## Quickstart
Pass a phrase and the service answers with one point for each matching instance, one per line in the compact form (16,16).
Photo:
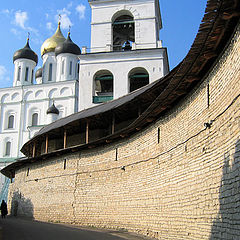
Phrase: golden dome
(51,43)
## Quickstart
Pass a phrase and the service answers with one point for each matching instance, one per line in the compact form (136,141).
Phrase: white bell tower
(126,53)
(116,21)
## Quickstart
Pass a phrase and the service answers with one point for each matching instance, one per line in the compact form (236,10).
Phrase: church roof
(52,109)
(38,73)
(51,43)
(26,53)
(68,46)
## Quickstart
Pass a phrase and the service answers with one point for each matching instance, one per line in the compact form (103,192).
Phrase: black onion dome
(68,46)
(38,73)
(52,109)
(26,52)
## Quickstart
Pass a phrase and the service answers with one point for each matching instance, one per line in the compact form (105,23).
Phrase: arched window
(76,69)
(103,87)
(70,68)
(26,74)
(138,78)
(50,72)
(10,121)
(19,73)
(35,119)
(32,77)
(123,31)
(63,63)
(8,148)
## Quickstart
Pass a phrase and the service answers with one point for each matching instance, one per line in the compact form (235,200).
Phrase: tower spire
(69,29)
(59,19)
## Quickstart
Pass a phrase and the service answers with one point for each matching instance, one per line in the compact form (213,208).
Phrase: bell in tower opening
(123,32)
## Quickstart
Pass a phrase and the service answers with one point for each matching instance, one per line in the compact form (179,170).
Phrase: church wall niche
(53,93)
(15,96)
(5,98)
(65,91)
(40,94)
(29,95)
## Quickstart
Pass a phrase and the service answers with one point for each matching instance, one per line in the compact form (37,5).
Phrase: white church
(125,55)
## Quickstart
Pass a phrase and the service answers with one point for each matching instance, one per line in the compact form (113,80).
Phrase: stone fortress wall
(177,179)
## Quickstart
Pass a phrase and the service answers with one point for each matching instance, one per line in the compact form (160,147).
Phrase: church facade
(125,55)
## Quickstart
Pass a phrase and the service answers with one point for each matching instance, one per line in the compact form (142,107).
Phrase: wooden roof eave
(219,32)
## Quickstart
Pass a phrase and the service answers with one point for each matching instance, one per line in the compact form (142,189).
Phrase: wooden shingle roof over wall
(218,24)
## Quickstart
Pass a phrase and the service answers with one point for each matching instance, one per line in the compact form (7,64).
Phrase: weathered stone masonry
(184,187)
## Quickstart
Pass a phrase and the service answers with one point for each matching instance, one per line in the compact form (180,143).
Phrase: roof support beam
(46,144)
(34,149)
(113,123)
(87,132)
(139,110)
(65,139)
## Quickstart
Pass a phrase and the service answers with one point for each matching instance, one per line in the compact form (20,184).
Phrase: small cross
(59,18)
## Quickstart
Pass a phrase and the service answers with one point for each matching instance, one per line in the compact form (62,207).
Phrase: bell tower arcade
(117,24)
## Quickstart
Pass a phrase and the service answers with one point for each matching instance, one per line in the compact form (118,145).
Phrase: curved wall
(177,179)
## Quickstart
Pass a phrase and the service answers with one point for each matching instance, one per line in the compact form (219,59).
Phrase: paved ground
(21,229)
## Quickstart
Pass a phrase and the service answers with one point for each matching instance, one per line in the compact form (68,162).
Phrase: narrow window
(19,73)
(8,149)
(35,119)
(159,135)
(116,154)
(76,67)
(50,72)
(26,74)
(70,68)
(64,164)
(208,95)
(10,121)
(63,67)
(32,77)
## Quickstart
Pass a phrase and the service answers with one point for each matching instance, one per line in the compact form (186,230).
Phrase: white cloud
(49,26)
(20,19)
(5,11)
(81,11)
(65,19)
(15,31)
(3,72)
(70,5)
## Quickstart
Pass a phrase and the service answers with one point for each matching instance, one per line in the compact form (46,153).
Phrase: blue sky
(181,21)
